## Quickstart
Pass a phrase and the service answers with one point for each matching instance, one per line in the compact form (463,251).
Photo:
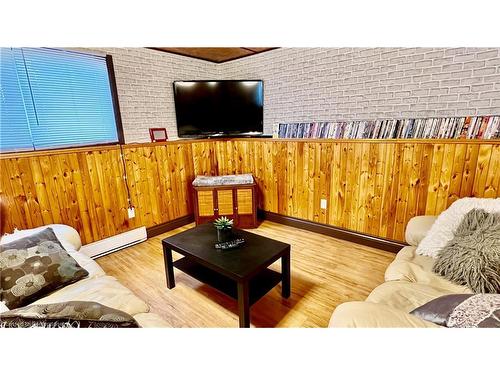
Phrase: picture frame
(158,134)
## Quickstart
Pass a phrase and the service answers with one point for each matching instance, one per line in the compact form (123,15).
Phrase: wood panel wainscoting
(371,186)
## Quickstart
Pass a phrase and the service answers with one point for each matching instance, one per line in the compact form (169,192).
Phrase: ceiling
(215,54)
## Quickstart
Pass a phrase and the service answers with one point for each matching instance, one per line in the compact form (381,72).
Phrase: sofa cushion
(34,266)
(462,311)
(105,289)
(472,257)
(72,314)
(408,266)
(371,315)
(442,231)
(406,295)
(417,228)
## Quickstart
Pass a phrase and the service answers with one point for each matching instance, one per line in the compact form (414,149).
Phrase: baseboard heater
(111,244)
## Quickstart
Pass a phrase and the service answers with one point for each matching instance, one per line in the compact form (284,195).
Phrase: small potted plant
(224,229)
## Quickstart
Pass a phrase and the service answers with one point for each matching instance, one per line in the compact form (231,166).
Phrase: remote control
(230,244)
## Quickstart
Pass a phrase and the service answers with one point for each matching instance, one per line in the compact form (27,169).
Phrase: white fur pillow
(444,227)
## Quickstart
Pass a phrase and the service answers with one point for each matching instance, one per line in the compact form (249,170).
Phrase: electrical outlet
(323,204)
(131,212)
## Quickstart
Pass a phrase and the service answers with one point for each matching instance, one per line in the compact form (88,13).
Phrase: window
(51,98)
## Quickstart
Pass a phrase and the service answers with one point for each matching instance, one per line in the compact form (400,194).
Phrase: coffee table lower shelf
(259,285)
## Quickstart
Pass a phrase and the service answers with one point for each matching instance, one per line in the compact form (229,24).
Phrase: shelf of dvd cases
(469,128)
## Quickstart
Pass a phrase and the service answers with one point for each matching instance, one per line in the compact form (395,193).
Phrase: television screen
(225,108)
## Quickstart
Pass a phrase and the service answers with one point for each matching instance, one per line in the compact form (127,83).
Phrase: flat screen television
(218,108)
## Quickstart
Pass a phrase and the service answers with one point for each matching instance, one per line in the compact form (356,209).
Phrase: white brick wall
(315,84)
(321,84)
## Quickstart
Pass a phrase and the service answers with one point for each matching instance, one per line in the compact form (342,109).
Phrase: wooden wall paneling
(91,233)
(26,180)
(344,209)
(41,195)
(187,174)
(482,165)
(492,189)
(258,149)
(104,174)
(371,214)
(220,155)
(379,192)
(173,157)
(152,181)
(172,162)
(303,206)
(371,187)
(323,178)
(432,190)
(310,180)
(146,197)
(16,197)
(362,188)
(120,190)
(266,176)
(83,211)
(342,196)
(457,170)
(335,186)
(22,175)
(290,161)
(204,158)
(277,175)
(386,190)
(48,181)
(401,199)
(414,181)
(425,166)
(167,187)
(162,184)
(445,177)
(67,186)
(355,168)
(469,170)
(392,181)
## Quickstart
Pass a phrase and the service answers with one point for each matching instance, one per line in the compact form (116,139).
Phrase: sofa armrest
(417,228)
(374,315)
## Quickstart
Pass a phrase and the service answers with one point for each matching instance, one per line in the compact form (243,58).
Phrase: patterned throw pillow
(462,311)
(73,314)
(34,266)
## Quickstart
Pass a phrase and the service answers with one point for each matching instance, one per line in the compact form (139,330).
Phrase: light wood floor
(325,273)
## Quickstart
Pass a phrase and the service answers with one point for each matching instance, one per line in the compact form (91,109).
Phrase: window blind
(66,100)
(14,126)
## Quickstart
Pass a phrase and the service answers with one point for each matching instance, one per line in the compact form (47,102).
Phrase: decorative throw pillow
(447,222)
(73,314)
(462,311)
(35,266)
(472,257)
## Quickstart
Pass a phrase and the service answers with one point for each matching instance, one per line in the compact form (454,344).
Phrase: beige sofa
(97,287)
(409,283)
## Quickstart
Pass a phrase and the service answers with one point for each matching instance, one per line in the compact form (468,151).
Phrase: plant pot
(224,235)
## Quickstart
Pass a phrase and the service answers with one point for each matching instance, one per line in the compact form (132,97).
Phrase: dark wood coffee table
(239,273)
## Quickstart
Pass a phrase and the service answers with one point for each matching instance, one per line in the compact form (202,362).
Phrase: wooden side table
(235,201)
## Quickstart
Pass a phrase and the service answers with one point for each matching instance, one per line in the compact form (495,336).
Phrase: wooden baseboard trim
(169,225)
(341,233)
